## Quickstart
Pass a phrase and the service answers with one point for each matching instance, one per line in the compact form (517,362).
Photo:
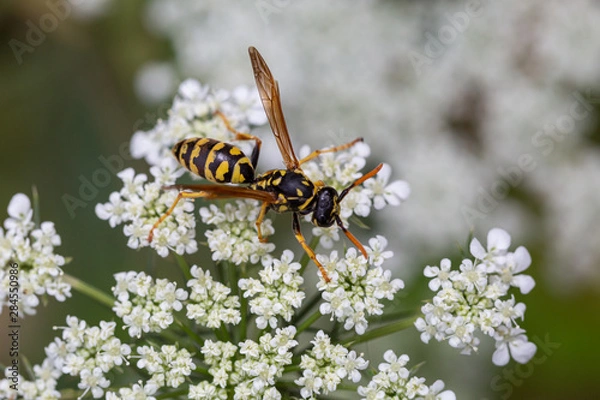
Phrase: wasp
(280,190)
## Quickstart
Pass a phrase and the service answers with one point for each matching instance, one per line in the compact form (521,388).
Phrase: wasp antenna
(360,180)
(352,238)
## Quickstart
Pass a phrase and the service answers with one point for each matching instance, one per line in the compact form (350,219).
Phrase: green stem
(169,336)
(394,316)
(292,384)
(232,274)
(184,266)
(232,278)
(380,332)
(335,331)
(89,290)
(191,333)
(173,395)
(307,307)
(347,386)
(222,333)
(309,321)
(243,326)
(292,368)
(36,206)
(202,371)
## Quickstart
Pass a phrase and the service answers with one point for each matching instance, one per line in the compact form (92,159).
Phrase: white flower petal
(522,351)
(446,395)
(19,206)
(498,239)
(524,282)
(477,249)
(401,189)
(522,258)
(501,356)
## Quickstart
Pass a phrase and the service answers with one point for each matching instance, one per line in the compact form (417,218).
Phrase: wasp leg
(360,180)
(307,249)
(243,136)
(351,237)
(316,153)
(180,195)
(259,220)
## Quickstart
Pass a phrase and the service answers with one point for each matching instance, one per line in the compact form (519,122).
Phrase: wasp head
(326,207)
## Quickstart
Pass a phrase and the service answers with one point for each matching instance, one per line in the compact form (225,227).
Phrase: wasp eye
(326,207)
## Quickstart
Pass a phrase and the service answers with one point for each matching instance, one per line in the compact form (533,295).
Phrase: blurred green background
(71,102)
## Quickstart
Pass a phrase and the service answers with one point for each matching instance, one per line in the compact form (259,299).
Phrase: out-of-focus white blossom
(156,82)
(89,9)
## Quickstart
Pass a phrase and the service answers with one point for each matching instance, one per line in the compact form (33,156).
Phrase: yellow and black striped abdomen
(214,160)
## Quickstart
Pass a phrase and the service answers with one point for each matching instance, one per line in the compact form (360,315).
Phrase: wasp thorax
(326,207)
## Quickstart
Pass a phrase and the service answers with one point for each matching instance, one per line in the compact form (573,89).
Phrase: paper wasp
(281,190)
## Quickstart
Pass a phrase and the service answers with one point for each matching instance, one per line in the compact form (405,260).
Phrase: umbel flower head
(139,203)
(28,261)
(244,328)
(475,298)
(394,381)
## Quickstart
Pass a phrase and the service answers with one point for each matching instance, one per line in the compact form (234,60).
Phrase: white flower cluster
(88,352)
(138,391)
(193,114)
(252,376)
(326,364)
(235,238)
(167,366)
(475,298)
(27,260)
(139,204)
(339,170)
(356,288)
(393,381)
(277,293)
(146,305)
(210,302)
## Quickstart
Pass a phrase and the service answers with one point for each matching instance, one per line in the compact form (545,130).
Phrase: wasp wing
(268,90)
(227,192)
